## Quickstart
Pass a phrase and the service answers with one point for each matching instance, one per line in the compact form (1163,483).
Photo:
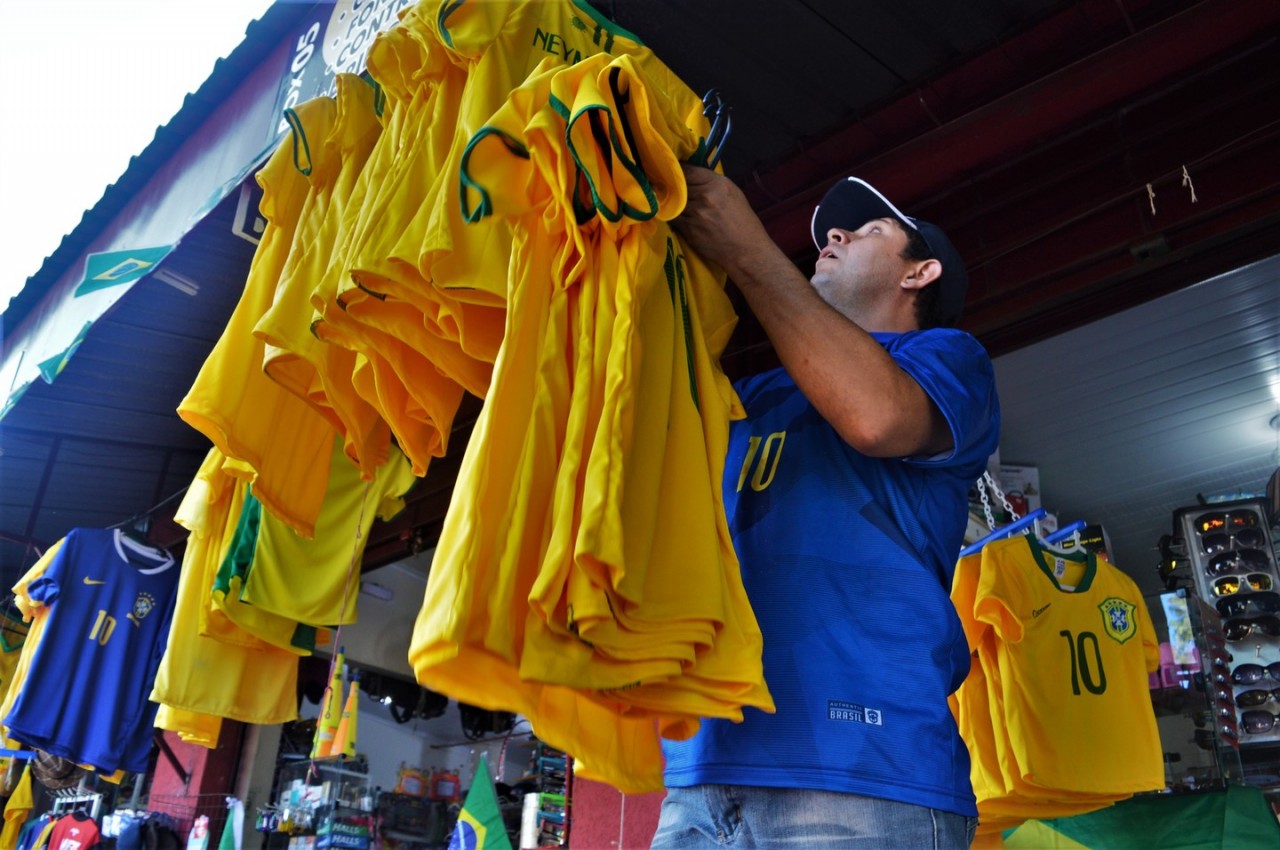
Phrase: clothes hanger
(1071,531)
(1019,526)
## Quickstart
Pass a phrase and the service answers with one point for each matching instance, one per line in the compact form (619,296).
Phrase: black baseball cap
(852,202)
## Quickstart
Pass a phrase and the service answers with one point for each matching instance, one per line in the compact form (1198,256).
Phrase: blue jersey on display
(110,602)
(847,560)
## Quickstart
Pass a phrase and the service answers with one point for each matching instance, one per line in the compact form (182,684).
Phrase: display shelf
(1197,729)
(1232,556)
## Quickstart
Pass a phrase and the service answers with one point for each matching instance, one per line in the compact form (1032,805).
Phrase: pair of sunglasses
(1244,538)
(1255,698)
(1258,721)
(1227,585)
(1247,674)
(1236,606)
(1237,560)
(1268,625)
(1231,521)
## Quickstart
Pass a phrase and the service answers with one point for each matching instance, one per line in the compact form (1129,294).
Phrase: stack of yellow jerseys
(485,212)
(1056,710)
(584,576)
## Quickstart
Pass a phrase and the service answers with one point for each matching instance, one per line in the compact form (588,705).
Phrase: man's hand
(719,225)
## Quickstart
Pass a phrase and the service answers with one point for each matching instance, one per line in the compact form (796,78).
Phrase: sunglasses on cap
(1237,560)
(1226,521)
(1255,698)
(1258,721)
(1268,625)
(1247,674)
(1220,541)
(1235,584)
(1267,603)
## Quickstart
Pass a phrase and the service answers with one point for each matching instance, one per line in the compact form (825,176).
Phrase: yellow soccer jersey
(339,140)
(35,615)
(501,44)
(199,673)
(282,440)
(192,727)
(227,612)
(16,809)
(317,581)
(1072,670)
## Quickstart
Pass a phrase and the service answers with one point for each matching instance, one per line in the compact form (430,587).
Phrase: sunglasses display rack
(1230,549)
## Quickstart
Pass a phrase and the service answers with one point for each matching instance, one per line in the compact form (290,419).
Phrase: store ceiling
(1048,137)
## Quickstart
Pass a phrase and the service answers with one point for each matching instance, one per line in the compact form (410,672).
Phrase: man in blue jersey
(845,489)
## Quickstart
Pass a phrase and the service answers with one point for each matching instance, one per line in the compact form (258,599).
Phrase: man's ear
(922,274)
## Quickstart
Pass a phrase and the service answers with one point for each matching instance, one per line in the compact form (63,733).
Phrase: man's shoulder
(953,339)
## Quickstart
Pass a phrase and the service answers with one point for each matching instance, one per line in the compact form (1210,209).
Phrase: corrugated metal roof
(261,37)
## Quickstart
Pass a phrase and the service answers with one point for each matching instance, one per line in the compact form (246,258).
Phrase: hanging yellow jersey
(35,614)
(199,673)
(339,140)
(316,581)
(281,439)
(192,727)
(1072,669)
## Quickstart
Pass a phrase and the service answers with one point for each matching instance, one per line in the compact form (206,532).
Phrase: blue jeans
(740,816)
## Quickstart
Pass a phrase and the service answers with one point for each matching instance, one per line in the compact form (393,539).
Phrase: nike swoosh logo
(88,580)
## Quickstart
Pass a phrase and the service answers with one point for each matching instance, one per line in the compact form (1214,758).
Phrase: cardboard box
(1021,486)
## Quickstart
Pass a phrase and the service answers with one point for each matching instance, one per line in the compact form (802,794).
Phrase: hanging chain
(986,504)
(995,488)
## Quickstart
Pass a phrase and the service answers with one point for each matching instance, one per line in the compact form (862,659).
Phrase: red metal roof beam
(1036,112)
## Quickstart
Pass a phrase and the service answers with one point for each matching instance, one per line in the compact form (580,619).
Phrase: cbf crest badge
(142,606)
(1118,619)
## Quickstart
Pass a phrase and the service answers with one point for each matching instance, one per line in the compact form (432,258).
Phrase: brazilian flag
(480,825)
(1239,818)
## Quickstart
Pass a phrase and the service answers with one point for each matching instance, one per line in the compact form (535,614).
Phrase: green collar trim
(1041,554)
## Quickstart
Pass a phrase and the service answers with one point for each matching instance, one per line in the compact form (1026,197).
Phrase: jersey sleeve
(998,586)
(955,371)
(395,478)
(964,593)
(45,589)
(22,590)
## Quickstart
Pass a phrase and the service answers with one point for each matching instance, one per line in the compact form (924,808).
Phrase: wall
(604,819)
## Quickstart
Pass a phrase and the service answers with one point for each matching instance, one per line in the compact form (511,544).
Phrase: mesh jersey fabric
(843,557)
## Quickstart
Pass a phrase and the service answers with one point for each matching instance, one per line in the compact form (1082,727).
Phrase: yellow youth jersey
(281,439)
(1072,670)
(316,581)
(408,367)
(978,708)
(500,44)
(199,673)
(228,612)
(339,140)
(192,727)
(35,614)
(16,809)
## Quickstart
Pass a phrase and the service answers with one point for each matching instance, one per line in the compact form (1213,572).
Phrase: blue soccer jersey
(110,601)
(847,560)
